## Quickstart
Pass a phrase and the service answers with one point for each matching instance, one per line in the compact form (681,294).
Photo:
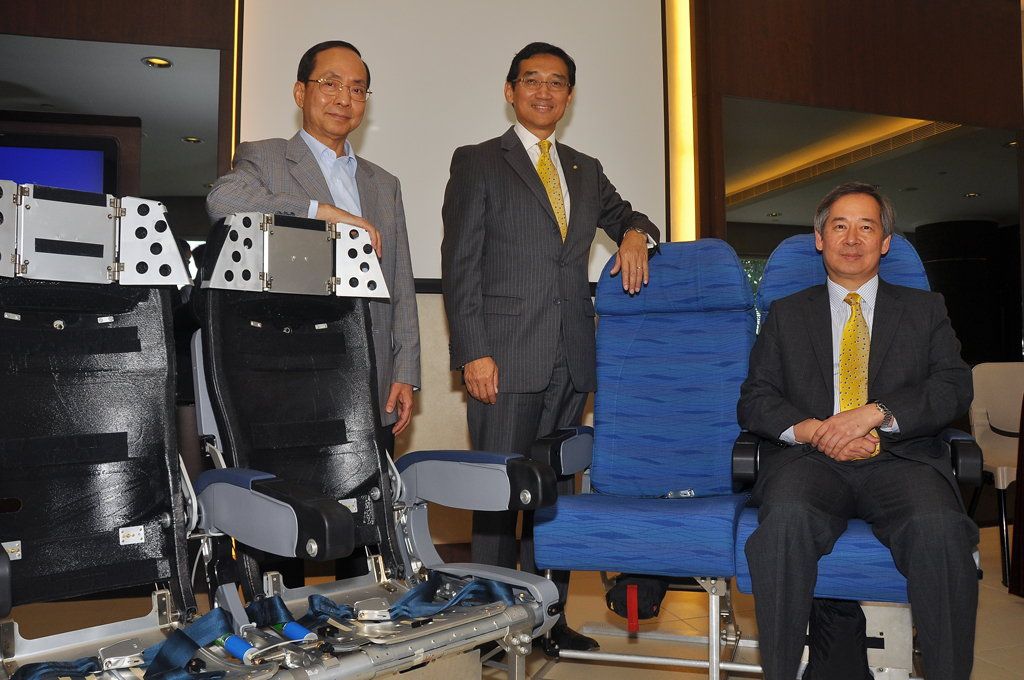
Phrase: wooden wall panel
(949,60)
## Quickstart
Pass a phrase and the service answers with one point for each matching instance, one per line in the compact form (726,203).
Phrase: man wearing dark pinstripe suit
(516,289)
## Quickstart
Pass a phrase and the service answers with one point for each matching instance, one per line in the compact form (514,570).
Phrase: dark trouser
(912,510)
(512,425)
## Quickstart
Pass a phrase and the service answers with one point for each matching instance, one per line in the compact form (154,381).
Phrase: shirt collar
(528,138)
(868,292)
(324,152)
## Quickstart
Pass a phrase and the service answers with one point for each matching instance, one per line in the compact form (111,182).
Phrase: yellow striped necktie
(854,353)
(553,187)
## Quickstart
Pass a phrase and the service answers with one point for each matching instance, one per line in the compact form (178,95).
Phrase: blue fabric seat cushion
(668,537)
(858,568)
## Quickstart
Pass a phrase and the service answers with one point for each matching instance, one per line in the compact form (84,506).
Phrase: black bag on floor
(650,592)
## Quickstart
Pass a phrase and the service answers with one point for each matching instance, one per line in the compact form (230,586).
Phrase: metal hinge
(20,194)
(266,222)
(116,211)
(114,271)
(267,279)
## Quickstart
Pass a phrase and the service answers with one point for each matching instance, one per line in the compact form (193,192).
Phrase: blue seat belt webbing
(76,669)
(271,612)
(419,602)
(175,652)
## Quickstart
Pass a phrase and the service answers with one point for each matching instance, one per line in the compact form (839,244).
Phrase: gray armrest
(746,455)
(476,480)
(274,515)
(566,451)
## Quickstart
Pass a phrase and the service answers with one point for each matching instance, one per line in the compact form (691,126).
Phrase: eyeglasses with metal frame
(534,84)
(332,88)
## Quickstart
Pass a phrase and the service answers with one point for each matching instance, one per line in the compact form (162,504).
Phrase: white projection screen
(437,70)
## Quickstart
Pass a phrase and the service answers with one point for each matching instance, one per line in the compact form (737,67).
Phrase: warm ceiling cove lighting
(773,214)
(972,194)
(157,62)
(192,139)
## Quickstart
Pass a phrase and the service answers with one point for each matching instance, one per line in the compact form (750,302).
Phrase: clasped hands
(849,435)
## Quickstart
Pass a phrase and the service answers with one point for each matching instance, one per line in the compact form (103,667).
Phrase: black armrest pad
(322,519)
(5,584)
(566,451)
(965,456)
(532,484)
(745,458)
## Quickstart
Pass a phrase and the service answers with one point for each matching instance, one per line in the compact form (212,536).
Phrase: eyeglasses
(534,84)
(332,88)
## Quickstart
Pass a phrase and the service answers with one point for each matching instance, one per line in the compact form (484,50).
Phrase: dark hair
(309,58)
(532,50)
(847,188)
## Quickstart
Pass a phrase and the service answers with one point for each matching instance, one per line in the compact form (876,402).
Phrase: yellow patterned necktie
(854,352)
(549,176)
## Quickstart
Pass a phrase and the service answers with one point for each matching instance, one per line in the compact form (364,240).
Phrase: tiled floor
(999,646)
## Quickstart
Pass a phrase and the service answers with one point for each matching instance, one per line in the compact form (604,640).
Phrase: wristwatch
(887,416)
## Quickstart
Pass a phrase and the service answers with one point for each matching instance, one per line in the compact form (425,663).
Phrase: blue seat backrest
(795,264)
(670,362)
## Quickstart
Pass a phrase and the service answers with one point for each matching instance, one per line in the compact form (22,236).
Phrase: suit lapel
(368,199)
(570,169)
(819,325)
(888,310)
(515,155)
(306,171)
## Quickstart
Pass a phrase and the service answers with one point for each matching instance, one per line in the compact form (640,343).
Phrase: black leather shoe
(564,637)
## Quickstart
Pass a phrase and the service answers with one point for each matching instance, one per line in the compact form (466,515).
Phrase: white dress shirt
(841,313)
(339,173)
(531,143)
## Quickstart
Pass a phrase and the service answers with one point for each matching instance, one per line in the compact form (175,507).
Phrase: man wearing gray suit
(854,380)
(316,174)
(520,213)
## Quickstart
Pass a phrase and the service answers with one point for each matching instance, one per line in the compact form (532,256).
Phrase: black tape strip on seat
(77,248)
(101,447)
(69,196)
(300,222)
(20,341)
(301,434)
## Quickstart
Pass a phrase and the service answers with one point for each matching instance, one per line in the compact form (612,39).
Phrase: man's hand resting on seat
(481,377)
(330,213)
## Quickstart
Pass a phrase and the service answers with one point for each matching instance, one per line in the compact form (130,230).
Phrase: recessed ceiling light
(208,185)
(773,214)
(157,62)
(971,194)
(191,139)
(1012,144)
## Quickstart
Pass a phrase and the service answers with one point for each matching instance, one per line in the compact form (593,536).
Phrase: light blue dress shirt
(339,172)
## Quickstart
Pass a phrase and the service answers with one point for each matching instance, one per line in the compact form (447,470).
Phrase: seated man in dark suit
(854,379)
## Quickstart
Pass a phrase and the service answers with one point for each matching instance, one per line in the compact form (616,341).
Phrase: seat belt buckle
(123,654)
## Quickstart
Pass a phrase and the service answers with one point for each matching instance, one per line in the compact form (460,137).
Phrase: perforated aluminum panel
(147,248)
(8,227)
(66,235)
(356,265)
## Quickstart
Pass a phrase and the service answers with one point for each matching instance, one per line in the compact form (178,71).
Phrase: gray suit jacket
(511,287)
(282,176)
(914,369)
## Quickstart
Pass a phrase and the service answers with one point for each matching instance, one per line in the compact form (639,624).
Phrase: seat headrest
(695,276)
(795,265)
